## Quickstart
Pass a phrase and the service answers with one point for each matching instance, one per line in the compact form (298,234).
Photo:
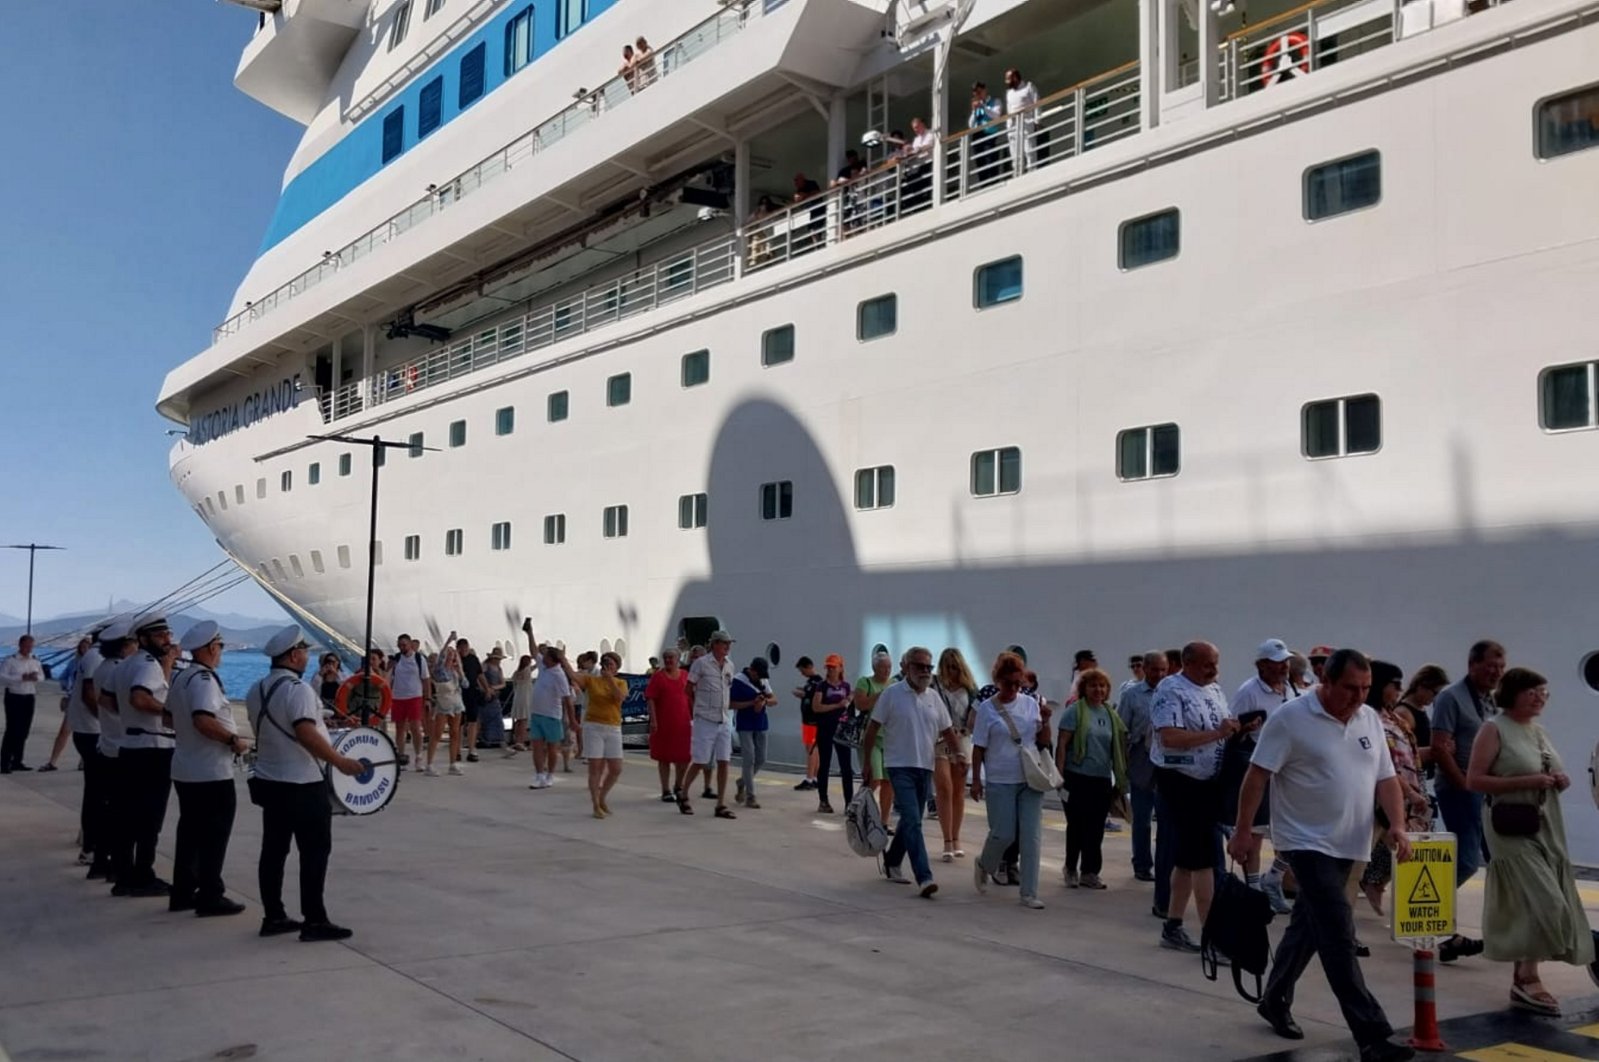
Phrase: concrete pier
(494,922)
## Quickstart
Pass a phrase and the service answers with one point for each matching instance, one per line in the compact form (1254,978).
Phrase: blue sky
(138,182)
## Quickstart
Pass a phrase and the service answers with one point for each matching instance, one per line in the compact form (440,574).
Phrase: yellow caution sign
(1424,888)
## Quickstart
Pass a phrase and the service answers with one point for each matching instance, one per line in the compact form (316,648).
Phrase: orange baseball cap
(833,660)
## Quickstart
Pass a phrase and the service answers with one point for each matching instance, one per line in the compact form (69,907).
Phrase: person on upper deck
(1021,103)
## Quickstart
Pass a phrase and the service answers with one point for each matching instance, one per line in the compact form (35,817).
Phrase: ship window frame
(500,536)
(238,493)
(454,542)
(432,8)
(986,298)
(222,500)
(518,60)
(871,499)
(416,444)
(565,411)
(619,390)
(295,566)
(457,434)
(1147,453)
(1570,95)
(693,511)
(701,357)
(313,474)
(1591,395)
(344,556)
(882,327)
(777,500)
(770,353)
(1311,172)
(996,454)
(286,480)
(563,17)
(614,521)
(394,134)
(1340,404)
(401,24)
(474,67)
(316,562)
(413,547)
(346,463)
(554,529)
(1126,262)
(504,421)
(260,487)
(430,107)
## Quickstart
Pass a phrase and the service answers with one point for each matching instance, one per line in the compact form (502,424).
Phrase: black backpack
(1236,928)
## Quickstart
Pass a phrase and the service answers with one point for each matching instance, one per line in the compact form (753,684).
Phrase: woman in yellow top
(602,726)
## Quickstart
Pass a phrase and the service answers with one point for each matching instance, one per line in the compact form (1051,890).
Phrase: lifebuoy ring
(1286,56)
(410,377)
(341,700)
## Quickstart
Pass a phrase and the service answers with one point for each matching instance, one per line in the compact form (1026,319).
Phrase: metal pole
(371,582)
(32,550)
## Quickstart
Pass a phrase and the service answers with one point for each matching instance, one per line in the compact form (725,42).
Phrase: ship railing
(1297,43)
(875,199)
(1062,125)
(590,105)
(675,277)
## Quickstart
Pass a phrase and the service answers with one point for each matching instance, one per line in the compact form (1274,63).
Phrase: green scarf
(1118,741)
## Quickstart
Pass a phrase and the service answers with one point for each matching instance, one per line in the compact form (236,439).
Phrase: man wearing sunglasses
(202,773)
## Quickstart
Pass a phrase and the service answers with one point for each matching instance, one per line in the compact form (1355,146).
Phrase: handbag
(850,730)
(1521,820)
(1236,929)
(1041,774)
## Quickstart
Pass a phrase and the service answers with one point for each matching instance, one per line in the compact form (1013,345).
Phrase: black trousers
(147,786)
(298,812)
(205,822)
(1323,925)
(118,817)
(19,720)
(1087,804)
(96,806)
(826,749)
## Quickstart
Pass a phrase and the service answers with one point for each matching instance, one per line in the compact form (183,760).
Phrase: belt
(141,732)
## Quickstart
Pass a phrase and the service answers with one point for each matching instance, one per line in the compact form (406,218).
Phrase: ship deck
(497,923)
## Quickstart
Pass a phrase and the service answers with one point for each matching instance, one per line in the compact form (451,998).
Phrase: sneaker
(314,931)
(539,782)
(927,889)
(751,803)
(1176,938)
(896,875)
(824,808)
(1091,881)
(432,773)
(805,786)
(1143,875)
(403,760)
(1362,951)
(455,769)
(1112,826)
(471,757)
(276,927)
(709,794)
(979,877)
(511,752)
(1071,878)
(1032,903)
(550,779)
(46,768)
(218,908)
(1272,886)
(1458,947)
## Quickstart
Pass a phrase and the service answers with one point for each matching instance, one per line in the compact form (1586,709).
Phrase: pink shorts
(408,710)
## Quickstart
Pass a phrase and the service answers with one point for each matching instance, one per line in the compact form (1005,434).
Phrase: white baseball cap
(1273,649)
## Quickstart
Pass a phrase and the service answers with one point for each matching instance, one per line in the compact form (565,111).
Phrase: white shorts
(602,742)
(447,699)
(712,743)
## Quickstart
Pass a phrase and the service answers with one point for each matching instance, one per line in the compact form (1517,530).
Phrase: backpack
(863,825)
(1236,928)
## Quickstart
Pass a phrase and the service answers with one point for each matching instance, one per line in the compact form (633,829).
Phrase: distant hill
(55,633)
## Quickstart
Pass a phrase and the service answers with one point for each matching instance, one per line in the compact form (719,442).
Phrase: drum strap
(266,710)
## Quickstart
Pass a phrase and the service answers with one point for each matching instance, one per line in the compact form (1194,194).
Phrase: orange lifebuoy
(1286,56)
(341,700)
(410,377)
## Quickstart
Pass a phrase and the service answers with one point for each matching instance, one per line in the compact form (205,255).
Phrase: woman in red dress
(667,697)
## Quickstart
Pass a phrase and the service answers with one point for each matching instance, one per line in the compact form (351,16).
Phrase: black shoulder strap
(266,708)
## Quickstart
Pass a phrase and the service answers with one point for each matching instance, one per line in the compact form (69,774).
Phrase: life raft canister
(1286,56)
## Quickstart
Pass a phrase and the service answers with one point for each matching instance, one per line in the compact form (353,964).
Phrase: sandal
(684,806)
(724,812)
(1523,997)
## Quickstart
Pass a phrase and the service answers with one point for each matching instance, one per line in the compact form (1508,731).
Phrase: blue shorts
(546,728)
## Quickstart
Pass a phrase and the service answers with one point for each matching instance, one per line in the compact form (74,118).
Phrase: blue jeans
(1143,804)
(1015,815)
(1462,813)
(911,786)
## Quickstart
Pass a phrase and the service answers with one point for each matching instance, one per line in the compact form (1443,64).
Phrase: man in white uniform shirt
(913,719)
(1021,103)
(1326,757)
(147,742)
(83,720)
(21,675)
(116,645)
(710,680)
(290,742)
(202,773)
(1191,725)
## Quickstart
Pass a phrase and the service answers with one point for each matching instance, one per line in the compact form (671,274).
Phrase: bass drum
(370,791)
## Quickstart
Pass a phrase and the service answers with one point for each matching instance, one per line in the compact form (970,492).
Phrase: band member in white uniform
(147,743)
(116,645)
(83,719)
(290,739)
(202,773)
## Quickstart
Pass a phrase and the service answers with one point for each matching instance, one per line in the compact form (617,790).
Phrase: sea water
(240,670)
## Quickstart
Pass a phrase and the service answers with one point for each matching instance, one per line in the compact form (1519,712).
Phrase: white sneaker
(455,768)
(1032,903)
(896,875)
(549,780)
(539,782)
(430,772)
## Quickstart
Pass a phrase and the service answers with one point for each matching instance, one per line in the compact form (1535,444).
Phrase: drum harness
(266,713)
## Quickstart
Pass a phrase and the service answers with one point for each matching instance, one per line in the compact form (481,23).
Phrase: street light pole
(378,445)
(32,548)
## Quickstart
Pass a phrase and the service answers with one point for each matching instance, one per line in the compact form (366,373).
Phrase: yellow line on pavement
(1513,1052)
(1590,1031)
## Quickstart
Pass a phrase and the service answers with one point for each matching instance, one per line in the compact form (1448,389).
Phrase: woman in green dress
(1531,911)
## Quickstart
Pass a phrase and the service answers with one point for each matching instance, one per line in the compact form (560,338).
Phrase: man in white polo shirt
(1261,694)
(1326,758)
(116,646)
(711,680)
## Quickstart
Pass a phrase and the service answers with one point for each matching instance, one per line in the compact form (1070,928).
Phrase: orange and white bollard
(1425,1035)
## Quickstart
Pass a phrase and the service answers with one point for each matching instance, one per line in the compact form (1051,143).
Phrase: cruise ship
(1246,320)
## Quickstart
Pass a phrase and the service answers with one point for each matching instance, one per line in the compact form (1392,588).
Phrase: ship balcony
(295,53)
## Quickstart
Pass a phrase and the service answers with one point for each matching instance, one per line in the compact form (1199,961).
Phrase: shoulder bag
(1040,772)
(251,782)
(1521,820)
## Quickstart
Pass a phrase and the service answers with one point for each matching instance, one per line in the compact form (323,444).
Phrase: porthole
(619,647)
(1590,671)
(774,655)
(605,646)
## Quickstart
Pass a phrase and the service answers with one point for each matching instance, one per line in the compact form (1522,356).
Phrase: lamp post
(378,446)
(32,548)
